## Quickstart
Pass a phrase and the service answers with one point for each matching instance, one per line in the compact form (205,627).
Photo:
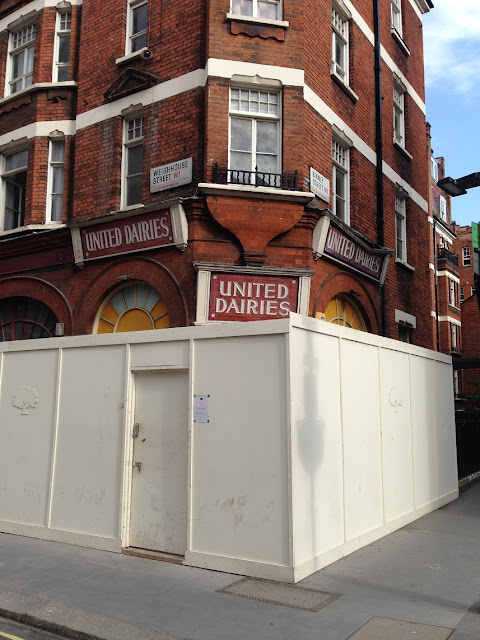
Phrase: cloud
(452,45)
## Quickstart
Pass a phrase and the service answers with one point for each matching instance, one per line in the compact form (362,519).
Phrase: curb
(71,623)
(468,481)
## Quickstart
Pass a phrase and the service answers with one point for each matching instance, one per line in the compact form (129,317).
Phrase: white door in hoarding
(158,513)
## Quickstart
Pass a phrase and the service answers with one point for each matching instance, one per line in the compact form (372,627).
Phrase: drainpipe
(435,281)
(379,151)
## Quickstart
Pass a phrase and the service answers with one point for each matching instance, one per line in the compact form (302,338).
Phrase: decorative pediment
(131,81)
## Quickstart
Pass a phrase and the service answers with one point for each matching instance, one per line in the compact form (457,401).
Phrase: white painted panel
(160,354)
(424,426)
(446,448)
(158,515)
(397,461)
(317,462)
(361,437)
(239,459)
(27,412)
(87,481)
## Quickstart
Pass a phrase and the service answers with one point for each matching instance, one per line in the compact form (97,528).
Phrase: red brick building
(466,252)
(165,164)
(447,292)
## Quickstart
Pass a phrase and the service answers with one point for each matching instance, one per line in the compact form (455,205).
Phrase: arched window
(134,307)
(25,318)
(341,310)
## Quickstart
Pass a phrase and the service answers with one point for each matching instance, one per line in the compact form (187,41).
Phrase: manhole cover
(285,595)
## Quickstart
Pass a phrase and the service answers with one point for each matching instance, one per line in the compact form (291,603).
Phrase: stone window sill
(404,264)
(345,87)
(48,226)
(38,86)
(143,53)
(399,40)
(402,150)
(261,27)
(266,193)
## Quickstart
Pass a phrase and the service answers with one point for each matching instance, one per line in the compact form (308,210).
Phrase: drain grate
(280,593)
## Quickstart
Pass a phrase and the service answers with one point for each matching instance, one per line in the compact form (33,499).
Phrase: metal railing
(443,252)
(287,181)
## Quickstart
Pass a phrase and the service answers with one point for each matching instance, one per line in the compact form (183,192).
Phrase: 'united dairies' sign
(251,297)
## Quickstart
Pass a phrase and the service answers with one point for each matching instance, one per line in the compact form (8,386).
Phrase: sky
(451,32)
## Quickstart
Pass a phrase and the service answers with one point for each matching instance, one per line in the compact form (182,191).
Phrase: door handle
(136,430)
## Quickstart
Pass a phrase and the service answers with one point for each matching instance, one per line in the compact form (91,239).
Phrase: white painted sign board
(319,185)
(171,175)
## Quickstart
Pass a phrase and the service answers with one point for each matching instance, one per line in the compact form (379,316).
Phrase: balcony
(284,181)
(449,256)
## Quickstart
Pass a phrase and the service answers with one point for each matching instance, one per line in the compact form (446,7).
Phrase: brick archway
(38,289)
(138,269)
(342,283)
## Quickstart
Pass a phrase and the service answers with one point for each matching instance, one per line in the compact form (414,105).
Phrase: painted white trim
(402,316)
(219,68)
(235,17)
(368,33)
(441,231)
(449,319)
(239,565)
(35,5)
(333,118)
(149,96)
(57,535)
(38,130)
(48,226)
(431,266)
(448,275)
(392,175)
(433,314)
(198,78)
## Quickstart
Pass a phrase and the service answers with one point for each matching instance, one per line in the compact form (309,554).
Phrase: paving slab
(388,629)
(426,574)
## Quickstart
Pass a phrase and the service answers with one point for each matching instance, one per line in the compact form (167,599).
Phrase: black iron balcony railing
(443,252)
(287,181)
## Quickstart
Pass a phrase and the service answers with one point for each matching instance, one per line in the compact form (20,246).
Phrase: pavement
(421,582)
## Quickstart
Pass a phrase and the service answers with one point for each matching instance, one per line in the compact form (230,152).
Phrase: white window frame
(255,117)
(53,166)
(455,336)
(399,114)
(466,258)
(396,9)
(442,205)
(472,290)
(130,45)
(7,176)
(340,38)
(401,227)
(341,171)
(453,295)
(26,34)
(62,31)
(462,296)
(133,128)
(256,10)
(434,169)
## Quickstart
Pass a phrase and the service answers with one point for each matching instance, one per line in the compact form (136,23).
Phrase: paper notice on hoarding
(201,411)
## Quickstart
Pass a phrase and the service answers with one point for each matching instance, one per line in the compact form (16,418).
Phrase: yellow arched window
(134,307)
(341,310)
